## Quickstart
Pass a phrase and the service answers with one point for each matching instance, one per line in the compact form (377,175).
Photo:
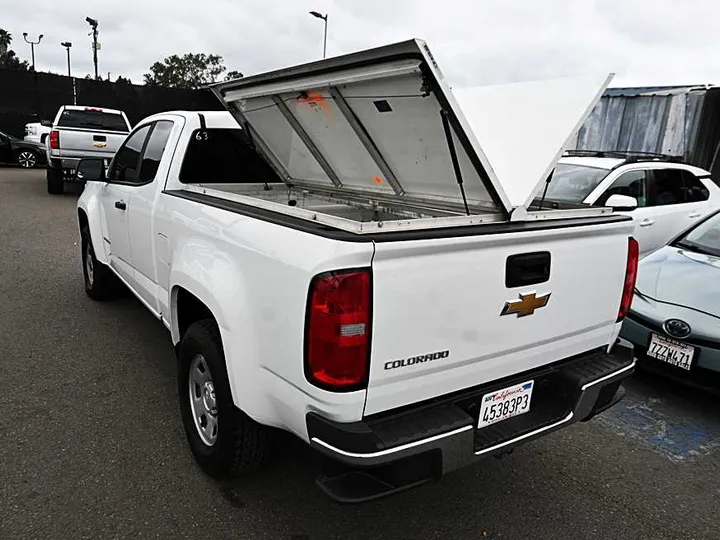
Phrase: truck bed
(363,215)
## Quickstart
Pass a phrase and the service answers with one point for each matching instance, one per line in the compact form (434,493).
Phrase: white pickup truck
(338,256)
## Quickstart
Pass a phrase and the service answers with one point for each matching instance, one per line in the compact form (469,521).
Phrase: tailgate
(81,143)
(437,323)
(91,130)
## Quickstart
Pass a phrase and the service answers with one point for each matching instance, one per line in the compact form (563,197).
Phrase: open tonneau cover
(384,124)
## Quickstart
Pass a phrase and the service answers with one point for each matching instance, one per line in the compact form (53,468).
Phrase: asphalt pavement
(91,443)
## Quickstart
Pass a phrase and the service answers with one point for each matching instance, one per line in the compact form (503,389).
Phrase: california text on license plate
(506,403)
(671,351)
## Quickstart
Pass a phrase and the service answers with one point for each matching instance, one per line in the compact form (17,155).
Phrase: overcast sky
(648,42)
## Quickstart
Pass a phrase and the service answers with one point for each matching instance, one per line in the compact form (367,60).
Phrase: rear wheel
(100,282)
(55,183)
(27,159)
(223,439)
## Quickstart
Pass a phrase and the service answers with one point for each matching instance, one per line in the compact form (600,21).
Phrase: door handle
(694,214)
(647,222)
(120,205)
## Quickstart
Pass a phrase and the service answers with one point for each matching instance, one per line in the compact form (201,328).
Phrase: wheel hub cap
(26,159)
(203,403)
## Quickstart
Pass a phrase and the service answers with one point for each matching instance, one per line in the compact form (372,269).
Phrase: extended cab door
(123,177)
(154,163)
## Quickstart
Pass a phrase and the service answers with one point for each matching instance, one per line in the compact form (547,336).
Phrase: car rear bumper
(428,440)
(705,371)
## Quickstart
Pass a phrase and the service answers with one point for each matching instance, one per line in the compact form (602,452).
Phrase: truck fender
(217,281)
(89,210)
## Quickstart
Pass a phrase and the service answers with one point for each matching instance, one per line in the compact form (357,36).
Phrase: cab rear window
(90,119)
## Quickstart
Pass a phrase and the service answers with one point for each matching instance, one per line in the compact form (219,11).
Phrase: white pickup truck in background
(81,132)
(340,256)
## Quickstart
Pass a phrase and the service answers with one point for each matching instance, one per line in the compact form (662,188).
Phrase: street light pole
(324,18)
(94,24)
(32,46)
(67,46)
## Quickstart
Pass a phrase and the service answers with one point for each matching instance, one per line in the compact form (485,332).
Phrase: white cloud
(488,41)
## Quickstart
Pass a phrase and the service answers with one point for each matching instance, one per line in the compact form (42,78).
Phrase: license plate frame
(493,407)
(671,345)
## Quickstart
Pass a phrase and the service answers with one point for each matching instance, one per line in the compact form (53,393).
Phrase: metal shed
(675,120)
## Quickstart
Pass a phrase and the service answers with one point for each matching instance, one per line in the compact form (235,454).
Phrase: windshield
(92,119)
(573,183)
(705,238)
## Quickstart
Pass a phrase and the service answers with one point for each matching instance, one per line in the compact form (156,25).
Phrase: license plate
(506,403)
(673,352)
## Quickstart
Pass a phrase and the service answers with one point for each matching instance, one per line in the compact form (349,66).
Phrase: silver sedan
(674,322)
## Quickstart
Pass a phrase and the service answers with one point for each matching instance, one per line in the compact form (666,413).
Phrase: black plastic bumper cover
(573,390)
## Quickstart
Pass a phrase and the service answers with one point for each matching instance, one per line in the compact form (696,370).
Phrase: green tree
(8,58)
(187,71)
(233,75)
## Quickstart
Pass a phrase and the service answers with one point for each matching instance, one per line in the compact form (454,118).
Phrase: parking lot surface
(91,443)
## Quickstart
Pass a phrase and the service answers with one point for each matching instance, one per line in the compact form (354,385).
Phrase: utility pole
(32,46)
(94,24)
(67,46)
(324,18)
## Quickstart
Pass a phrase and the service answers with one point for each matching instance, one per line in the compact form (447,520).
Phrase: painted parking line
(680,425)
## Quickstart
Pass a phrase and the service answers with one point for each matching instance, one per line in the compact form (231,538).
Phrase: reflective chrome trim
(391,450)
(434,438)
(610,376)
(522,437)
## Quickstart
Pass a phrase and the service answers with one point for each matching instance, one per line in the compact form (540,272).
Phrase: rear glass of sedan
(93,119)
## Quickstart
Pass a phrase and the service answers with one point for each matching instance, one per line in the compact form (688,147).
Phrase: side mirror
(91,170)
(46,123)
(622,202)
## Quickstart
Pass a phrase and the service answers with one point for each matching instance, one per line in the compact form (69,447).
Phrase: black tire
(241,444)
(100,282)
(55,182)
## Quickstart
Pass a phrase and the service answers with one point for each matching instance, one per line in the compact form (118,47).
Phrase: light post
(94,24)
(32,46)
(324,18)
(67,46)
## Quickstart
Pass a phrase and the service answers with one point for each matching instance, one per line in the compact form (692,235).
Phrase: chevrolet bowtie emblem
(527,304)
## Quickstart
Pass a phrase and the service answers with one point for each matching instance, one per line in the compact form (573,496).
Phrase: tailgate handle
(99,138)
(526,269)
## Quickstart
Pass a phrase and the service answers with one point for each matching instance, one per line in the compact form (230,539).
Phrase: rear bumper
(705,372)
(441,436)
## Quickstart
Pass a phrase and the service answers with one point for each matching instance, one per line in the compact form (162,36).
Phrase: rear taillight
(337,333)
(630,277)
(54,140)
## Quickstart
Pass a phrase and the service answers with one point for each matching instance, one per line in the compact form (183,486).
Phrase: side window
(225,156)
(694,189)
(154,150)
(127,160)
(632,184)
(666,187)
